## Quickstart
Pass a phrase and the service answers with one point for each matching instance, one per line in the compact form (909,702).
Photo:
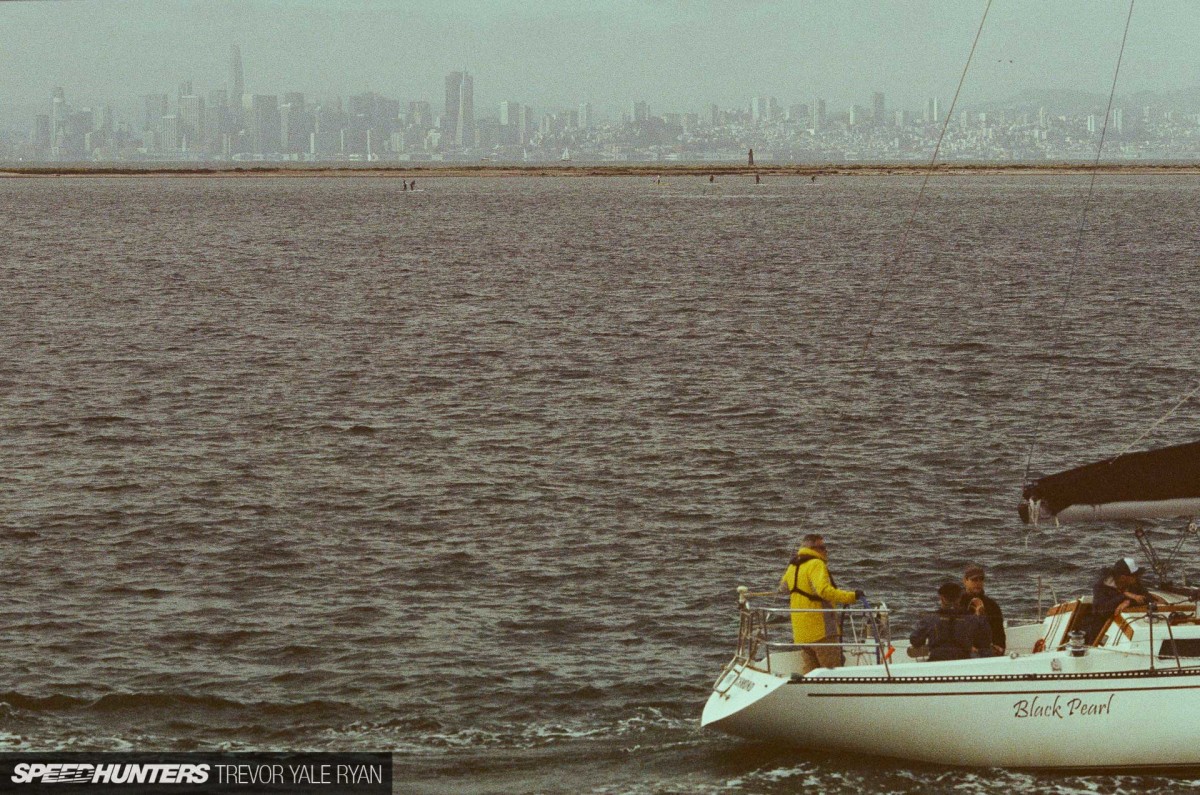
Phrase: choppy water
(471,474)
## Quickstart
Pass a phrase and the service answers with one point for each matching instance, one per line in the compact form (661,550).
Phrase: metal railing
(865,632)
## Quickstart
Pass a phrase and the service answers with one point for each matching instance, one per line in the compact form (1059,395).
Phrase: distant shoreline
(429,171)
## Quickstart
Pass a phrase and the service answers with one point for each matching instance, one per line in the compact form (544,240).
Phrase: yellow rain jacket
(808,576)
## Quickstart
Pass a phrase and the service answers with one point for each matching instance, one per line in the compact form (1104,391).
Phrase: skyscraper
(155,109)
(459,119)
(878,109)
(295,124)
(420,115)
(217,124)
(525,124)
(933,110)
(191,122)
(509,111)
(264,123)
(585,116)
(464,133)
(237,87)
(758,110)
(170,140)
(41,133)
(58,111)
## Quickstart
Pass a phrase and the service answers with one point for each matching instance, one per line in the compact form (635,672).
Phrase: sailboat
(566,155)
(1127,699)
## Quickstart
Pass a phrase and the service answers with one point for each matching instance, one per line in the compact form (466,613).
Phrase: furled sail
(1152,484)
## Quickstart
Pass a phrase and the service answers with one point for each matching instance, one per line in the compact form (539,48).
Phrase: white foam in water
(400,738)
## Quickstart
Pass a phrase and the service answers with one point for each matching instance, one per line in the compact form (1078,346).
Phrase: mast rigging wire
(912,217)
(1077,256)
(1159,421)
(890,274)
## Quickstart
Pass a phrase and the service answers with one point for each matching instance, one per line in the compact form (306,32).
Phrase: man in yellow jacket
(807,580)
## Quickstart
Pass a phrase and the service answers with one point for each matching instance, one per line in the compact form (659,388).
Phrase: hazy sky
(676,54)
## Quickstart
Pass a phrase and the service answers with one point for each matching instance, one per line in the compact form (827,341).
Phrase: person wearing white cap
(1117,589)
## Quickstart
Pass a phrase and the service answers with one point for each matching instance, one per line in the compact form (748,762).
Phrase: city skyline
(677,57)
(231,124)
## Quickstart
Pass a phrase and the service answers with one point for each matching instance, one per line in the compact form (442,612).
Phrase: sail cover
(1153,484)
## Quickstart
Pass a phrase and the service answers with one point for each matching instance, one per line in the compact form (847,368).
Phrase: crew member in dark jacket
(952,633)
(974,600)
(1116,589)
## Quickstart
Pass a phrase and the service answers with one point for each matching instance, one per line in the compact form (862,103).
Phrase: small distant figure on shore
(751,156)
(412,185)
(657,179)
(757,179)
(814,177)
(404,184)
(710,177)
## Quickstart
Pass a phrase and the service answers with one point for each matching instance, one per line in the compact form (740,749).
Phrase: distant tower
(464,132)
(585,116)
(818,113)
(878,109)
(191,121)
(264,123)
(58,110)
(933,110)
(525,124)
(758,109)
(450,116)
(155,109)
(459,118)
(237,86)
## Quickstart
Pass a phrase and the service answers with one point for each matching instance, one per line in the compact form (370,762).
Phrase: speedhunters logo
(83,773)
(206,772)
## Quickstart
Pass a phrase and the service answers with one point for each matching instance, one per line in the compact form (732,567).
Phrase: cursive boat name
(1062,708)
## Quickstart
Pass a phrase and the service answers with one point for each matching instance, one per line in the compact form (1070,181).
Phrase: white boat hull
(1105,710)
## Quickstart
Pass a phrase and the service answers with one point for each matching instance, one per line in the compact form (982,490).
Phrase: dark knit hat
(950,591)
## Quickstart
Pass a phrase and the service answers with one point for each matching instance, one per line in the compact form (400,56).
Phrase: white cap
(1129,565)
